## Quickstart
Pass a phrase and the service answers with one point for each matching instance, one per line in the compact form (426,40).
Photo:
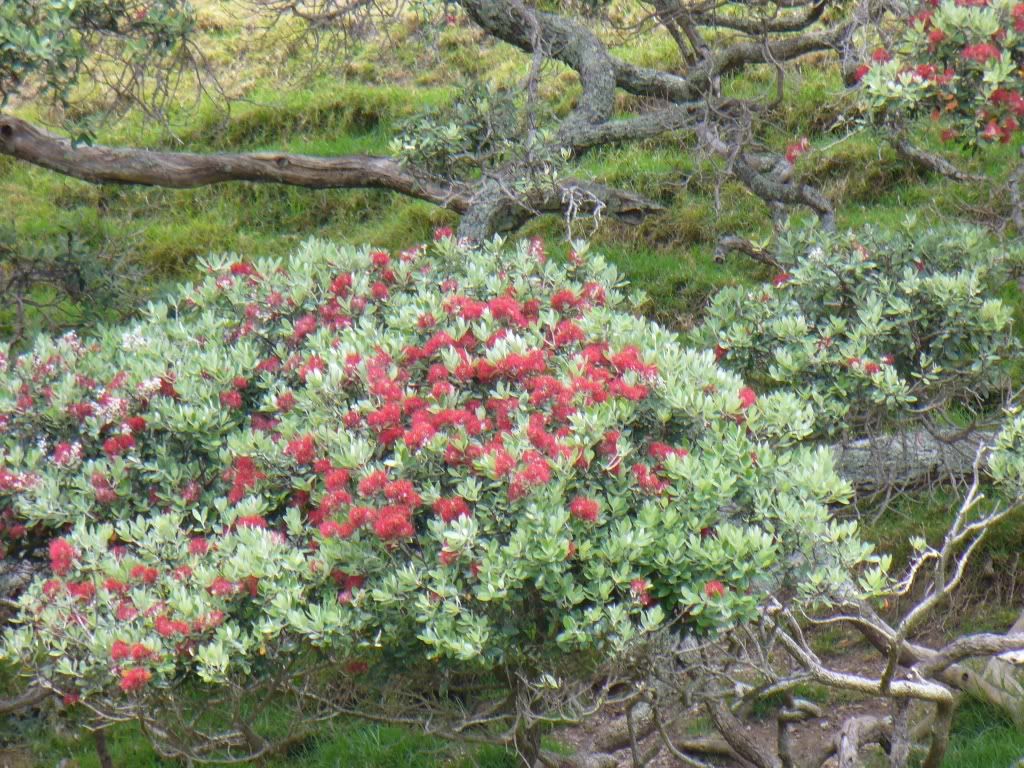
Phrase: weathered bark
(29,698)
(930,162)
(1004,674)
(908,458)
(102,752)
(494,210)
(855,733)
(941,726)
(184,170)
(731,729)
(733,243)
(954,675)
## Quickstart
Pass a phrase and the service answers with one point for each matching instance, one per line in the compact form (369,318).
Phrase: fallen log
(910,458)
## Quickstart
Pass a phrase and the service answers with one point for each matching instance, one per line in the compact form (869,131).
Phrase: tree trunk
(908,458)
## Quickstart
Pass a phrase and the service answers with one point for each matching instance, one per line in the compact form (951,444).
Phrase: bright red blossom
(134,679)
(747,397)
(714,589)
(585,509)
(62,555)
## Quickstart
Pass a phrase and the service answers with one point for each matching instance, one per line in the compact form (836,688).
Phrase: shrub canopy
(444,461)
(873,325)
(958,61)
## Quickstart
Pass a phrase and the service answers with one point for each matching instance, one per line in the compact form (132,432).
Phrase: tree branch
(185,170)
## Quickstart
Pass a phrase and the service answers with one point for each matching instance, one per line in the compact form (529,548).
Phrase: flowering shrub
(959,61)
(389,465)
(872,324)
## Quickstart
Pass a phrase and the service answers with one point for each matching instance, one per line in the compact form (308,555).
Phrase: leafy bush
(374,468)
(873,324)
(51,284)
(959,61)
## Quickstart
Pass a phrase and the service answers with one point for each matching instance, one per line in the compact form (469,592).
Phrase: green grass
(355,108)
(345,745)
(983,738)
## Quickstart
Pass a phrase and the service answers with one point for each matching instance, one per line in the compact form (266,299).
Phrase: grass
(343,745)
(983,738)
(355,109)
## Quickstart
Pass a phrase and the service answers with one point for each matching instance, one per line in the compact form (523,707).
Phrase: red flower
(144,574)
(992,132)
(451,509)
(198,546)
(165,627)
(747,397)
(62,555)
(342,284)
(65,454)
(859,73)
(448,557)
(239,268)
(221,587)
(120,650)
(880,56)
(781,279)
(336,479)
(980,53)
(140,652)
(330,529)
(641,590)
(118,445)
(564,300)
(585,509)
(714,589)
(52,587)
(442,233)
(135,424)
(304,326)
(82,590)
(402,492)
(231,399)
(115,586)
(134,679)
(302,449)
(103,488)
(372,483)
(393,523)
(793,151)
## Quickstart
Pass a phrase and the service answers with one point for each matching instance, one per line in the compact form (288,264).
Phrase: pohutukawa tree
(958,62)
(898,338)
(524,169)
(460,489)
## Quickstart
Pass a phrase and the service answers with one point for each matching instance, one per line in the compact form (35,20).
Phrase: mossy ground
(285,103)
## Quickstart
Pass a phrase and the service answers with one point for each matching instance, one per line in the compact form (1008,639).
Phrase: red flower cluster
(62,556)
(584,509)
(134,679)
